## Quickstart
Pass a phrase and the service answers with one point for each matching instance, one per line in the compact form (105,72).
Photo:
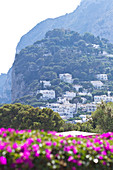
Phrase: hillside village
(67,72)
(68,110)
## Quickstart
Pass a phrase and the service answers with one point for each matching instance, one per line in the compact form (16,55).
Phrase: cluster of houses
(64,107)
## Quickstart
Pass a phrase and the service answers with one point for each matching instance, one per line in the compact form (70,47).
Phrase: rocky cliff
(95,16)
(5,87)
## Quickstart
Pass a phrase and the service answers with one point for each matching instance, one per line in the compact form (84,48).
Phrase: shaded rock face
(94,16)
(18,86)
(5,87)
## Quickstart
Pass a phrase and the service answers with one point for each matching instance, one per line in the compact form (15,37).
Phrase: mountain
(94,16)
(5,87)
(61,51)
(6,97)
(3,78)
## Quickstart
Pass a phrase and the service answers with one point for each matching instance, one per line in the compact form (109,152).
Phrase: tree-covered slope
(61,51)
(94,16)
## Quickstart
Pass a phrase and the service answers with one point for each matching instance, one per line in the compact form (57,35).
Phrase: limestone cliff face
(5,87)
(18,85)
(94,16)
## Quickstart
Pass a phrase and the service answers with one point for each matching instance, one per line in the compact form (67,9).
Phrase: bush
(26,149)
(20,116)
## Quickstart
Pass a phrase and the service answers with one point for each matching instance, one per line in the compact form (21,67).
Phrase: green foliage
(63,51)
(20,116)
(103,117)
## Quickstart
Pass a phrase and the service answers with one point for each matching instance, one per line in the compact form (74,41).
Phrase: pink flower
(47,151)
(89,144)
(73,168)
(103,153)
(48,156)
(97,149)
(54,143)
(67,148)
(2,146)
(42,130)
(30,140)
(24,146)
(100,157)
(39,140)
(70,159)
(19,161)
(104,163)
(52,132)
(26,154)
(79,163)
(37,154)
(9,149)
(62,141)
(48,143)
(74,141)
(3,160)
(15,146)
(35,147)
(74,150)
(4,135)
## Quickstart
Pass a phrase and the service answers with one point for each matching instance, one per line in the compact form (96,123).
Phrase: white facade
(65,109)
(89,107)
(98,99)
(103,77)
(47,94)
(69,95)
(77,87)
(46,83)
(84,94)
(97,84)
(66,77)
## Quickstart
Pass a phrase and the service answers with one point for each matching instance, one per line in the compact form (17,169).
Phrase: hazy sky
(17,17)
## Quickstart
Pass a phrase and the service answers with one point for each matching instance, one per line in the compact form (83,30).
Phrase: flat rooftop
(76,133)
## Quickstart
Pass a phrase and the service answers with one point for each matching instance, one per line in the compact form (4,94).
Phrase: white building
(66,109)
(46,83)
(66,77)
(84,94)
(69,95)
(77,87)
(89,107)
(103,77)
(98,99)
(47,94)
(97,84)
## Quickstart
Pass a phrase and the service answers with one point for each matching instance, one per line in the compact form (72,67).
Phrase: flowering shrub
(26,149)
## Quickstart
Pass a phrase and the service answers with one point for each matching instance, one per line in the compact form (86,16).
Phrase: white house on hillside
(66,77)
(69,95)
(103,77)
(66,109)
(47,94)
(97,84)
(77,87)
(46,83)
(98,99)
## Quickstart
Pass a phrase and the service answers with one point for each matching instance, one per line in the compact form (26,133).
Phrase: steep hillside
(5,87)
(61,51)
(94,16)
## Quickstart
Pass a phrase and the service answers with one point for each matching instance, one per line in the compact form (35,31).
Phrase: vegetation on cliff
(61,51)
